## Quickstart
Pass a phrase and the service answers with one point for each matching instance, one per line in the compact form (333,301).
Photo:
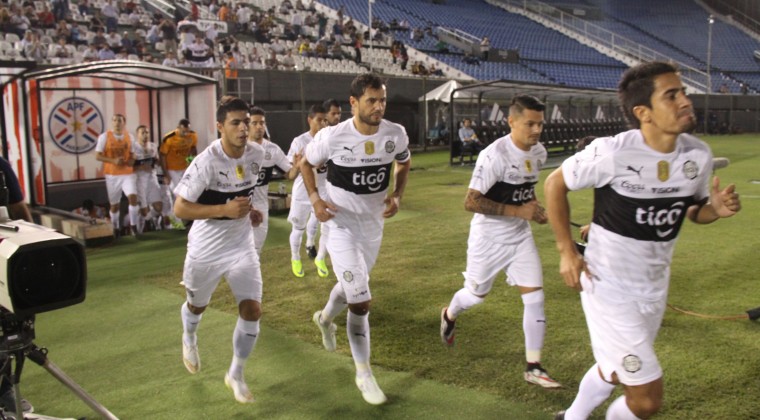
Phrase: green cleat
(322,269)
(297,267)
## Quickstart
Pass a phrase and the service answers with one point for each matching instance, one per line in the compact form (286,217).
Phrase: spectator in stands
(195,12)
(311,7)
(321,24)
(106,53)
(338,32)
(723,88)
(169,35)
(33,48)
(469,139)
(403,57)
(336,51)
(417,34)
(76,35)
(99,38)
(111,15)
(243,14)
(468,59)
(297,22)
(114,41)
(213,7)
(46,18)
(743,88)
(153,35)
(321,50)
(289,33)
(63,50)
(127,44)
(434,71)
(84,7)
(60,9)
(419,69)
(304,50)
(358,43)
(230,66)
(19,22)
(224,12)
(288,62)
(200,54)
(255,60)
(170,60)
(91,53)
(135,18)
(299,5)
(277,46)
(442,47)
(96,24)
(62,30)
(485,47)
(271,63)
(403,25)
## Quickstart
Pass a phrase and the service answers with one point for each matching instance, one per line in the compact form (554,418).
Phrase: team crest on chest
(690,169)
(268,156)
(663,170)
(390,146)
(369,147)
(255,168)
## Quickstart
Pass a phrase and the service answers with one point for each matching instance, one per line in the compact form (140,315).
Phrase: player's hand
(237,207)
(167,180)
(527,210)
(297,159)
(571,265)
(324,210)
(256,217)
(391,206)
(539,216)
(119,161)
(584,232)
(726,202)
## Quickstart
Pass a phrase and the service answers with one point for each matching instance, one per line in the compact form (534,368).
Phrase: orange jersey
(175,149)
(115,148)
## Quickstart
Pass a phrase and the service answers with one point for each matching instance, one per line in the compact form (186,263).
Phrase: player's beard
(367,119)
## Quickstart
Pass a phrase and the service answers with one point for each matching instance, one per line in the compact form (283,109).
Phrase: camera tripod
(16,344)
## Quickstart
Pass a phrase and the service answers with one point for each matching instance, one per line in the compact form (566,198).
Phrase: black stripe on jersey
(645,219)
(402,156)
(514,194)
(265,175)
(167,136)
(213,197)
(140,162)
(359,179)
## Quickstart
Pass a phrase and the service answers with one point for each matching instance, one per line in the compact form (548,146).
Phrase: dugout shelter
(53,117)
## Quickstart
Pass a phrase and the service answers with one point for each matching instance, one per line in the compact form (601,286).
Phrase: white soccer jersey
(273,158)
(215,178)
(507,175)
(146,154)
(641,197)
(298,146)
(358,166)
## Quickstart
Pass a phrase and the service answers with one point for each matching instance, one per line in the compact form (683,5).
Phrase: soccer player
(114,149)
(646,182)
(332,111)
(216,192)
(300,207)
(502,196)
(359,154)
(178,147)
(148,190)
(273,158)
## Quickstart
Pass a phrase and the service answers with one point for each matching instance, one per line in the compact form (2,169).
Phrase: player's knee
(644,407)
(114,208)
(249,310)
(360,309)
(196,310)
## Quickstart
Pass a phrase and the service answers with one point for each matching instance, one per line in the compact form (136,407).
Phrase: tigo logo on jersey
(658,218)
(373,181)
(75,124)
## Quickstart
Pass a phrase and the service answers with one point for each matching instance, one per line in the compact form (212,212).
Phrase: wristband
(314,197)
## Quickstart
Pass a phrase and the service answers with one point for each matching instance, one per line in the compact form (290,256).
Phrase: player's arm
(722,203)
(400,175)
(558,209)
(322,209)
(232,209)
(476,202)
(103,158)
(295,167)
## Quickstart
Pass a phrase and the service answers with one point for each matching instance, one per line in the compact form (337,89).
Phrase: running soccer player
(502,196)
(177,149)
(216,192)
(359,154)
(273,158)
(148,190)
(646,181)
(300,207)
(114,149)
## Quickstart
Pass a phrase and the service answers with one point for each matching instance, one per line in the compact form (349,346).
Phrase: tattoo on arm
(478,203)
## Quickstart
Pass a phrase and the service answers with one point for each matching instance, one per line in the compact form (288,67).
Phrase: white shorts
(622,336)
(485,259)
(115,184)
(299,214)
(353,252)
(148,190)
(243,275)
(176,177)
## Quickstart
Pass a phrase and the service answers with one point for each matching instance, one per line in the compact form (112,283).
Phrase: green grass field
(122,344)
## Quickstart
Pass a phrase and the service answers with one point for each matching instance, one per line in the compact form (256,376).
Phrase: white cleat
(328,332)
(540,377)
(239,388)
(371,392)
(191,358)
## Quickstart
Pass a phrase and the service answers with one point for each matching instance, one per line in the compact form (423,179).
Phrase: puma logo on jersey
(350,149)
(226,174)
(515,167)
(632,169)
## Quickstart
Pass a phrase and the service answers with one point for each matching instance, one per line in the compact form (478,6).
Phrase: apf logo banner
(75,124)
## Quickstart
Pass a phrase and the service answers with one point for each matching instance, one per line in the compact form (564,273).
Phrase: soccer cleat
(559,415)
(535,374)
(328,333)
(176,223)
(371,392)
(191,358)
(447,329)
(297,267)
(311,251)
(322,269)
(239,388)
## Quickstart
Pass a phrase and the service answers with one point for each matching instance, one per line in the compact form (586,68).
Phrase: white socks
(357,328)
(295,243)
(534,325)
(335,304)
(243,342)
(134,215)
(322,250)
(311,229)
(619,410)
(115,216)
(190,323)
(462,301)
(592,392)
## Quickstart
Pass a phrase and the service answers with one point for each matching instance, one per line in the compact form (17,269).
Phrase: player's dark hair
(184,122)
(637,86)
(257,110)
(122,116)
(522,102)
(329,103)
(364,81)
(227,104)
(316,109)
(141,126)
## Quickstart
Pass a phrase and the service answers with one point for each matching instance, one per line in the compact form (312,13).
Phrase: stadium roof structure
(504,90)
(136,74)
(11,70)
